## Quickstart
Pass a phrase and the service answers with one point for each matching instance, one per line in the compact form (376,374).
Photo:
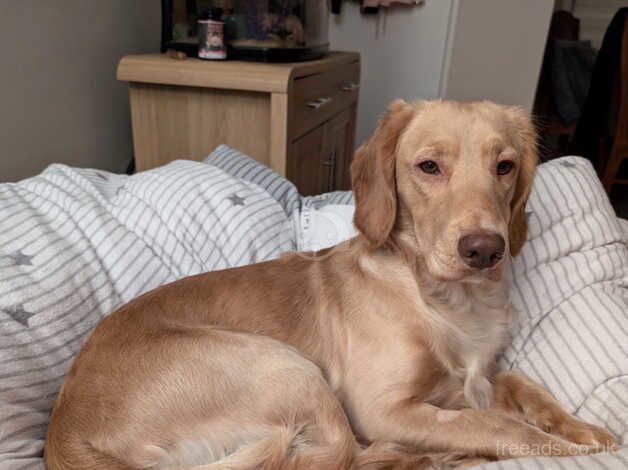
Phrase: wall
(455,49)
(59,99)
(496,50)
(402,60)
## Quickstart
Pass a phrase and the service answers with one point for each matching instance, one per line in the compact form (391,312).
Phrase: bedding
(77,243)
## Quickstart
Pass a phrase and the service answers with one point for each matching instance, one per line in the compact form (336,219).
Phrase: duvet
(76,243)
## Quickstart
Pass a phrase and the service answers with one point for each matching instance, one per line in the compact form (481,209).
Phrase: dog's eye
(430,167)
(504,167)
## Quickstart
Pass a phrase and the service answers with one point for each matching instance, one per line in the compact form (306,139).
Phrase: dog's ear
(373,175)
(527,143)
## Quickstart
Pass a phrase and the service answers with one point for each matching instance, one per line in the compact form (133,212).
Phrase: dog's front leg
(490,433)
(518,395)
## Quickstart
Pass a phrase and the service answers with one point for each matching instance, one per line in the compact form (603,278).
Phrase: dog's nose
(481,250)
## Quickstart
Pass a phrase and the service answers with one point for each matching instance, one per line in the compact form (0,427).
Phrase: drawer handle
(349,86)
(315,104)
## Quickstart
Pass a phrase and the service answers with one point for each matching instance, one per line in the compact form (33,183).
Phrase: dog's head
(450,179)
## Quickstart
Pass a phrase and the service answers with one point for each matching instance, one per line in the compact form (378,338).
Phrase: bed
(76,243)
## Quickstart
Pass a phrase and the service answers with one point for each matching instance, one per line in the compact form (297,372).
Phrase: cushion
(244,167)
(319,221)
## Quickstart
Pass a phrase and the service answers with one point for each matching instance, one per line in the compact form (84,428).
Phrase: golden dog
(389,340)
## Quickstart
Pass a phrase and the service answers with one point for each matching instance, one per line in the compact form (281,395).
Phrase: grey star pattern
(236,200)
(18,313)
(119,190)
(568,164)
(102,176)
(528,214)
(19,258)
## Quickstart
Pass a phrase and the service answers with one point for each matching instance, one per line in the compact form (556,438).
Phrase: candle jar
(211,35)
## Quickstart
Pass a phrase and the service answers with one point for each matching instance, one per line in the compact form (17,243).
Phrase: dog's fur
(389,336)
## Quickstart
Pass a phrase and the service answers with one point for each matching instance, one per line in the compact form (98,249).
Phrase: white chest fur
(465,324)
(469,325)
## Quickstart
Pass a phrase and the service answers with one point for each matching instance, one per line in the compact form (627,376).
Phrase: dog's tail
(301,448)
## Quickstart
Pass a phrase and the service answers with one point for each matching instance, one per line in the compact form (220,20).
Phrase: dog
(379,354)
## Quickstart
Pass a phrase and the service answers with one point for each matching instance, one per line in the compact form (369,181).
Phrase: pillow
(319,221)
(242,166)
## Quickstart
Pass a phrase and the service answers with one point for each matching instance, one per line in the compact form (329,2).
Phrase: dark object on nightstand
(254,30)
(211,35)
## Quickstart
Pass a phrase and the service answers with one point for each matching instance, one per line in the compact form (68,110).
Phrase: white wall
(455,49)
(59,99)
(403,60)
(496,50)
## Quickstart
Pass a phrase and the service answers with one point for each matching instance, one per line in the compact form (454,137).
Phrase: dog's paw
(595,437)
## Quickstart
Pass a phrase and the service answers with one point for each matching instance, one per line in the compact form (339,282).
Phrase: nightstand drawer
(319,97)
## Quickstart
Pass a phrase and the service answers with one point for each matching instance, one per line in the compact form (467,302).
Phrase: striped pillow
(242,166)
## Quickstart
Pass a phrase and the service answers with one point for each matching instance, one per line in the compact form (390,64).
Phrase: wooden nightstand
(298,118)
